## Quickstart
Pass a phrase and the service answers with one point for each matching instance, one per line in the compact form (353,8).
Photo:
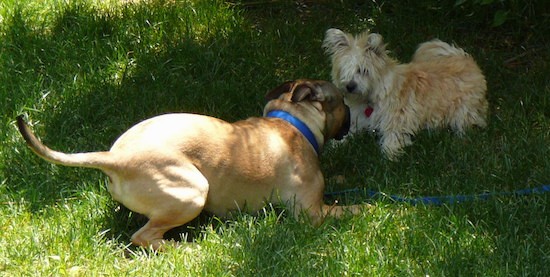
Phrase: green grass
(85,71)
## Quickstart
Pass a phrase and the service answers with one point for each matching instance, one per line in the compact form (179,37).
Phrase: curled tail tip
(23,128)
(20,121)
(32,141)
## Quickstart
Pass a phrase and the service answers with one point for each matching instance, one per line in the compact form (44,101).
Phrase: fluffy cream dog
(441,86)
(171,167)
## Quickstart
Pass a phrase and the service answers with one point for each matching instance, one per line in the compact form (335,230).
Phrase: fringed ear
(375,43)
(306,90)
(335,40)
(278,91)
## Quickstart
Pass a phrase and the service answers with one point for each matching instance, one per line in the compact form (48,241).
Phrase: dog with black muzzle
(173,166)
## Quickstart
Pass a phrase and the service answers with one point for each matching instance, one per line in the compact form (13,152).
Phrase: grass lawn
(85,71)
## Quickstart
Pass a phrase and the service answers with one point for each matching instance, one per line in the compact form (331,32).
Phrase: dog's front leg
(338,211)
(392,143)
(318,212)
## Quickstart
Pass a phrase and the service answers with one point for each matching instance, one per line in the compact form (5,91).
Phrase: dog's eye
(363,71)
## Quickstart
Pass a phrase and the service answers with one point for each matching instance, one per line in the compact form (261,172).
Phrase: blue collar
(301,126)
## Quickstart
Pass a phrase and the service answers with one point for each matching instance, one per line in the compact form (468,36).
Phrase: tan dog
(171,167)
(442,86)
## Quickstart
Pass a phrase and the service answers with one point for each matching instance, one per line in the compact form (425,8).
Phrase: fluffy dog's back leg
(473,113)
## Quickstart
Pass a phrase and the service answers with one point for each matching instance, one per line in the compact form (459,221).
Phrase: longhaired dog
(442,86)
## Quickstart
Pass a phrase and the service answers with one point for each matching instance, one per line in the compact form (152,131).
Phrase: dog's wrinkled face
(357,62)
(323,96)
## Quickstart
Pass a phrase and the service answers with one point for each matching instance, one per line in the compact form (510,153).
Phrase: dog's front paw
(392,144)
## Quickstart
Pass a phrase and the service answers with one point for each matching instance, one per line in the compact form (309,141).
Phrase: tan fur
(442,86)
(171,167)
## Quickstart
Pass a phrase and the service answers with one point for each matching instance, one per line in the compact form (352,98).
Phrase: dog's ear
(335,40)
(376,44)
(278,91)
(375,40)
(308,91)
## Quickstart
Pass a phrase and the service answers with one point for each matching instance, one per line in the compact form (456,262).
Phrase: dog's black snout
(351,86)
(345,126)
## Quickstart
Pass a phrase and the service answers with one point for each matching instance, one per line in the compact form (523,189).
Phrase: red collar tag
(368,111)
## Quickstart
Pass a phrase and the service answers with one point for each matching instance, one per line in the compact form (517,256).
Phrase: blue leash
(440,200)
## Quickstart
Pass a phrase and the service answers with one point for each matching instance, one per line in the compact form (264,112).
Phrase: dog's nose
(351,86)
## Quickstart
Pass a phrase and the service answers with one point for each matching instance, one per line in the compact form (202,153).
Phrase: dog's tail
(99,160)
(436,48)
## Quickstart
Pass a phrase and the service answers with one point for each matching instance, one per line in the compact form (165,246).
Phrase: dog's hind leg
(151,234)
(182,197)
(466,117)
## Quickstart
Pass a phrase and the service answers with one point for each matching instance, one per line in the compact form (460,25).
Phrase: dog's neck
(298,124)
